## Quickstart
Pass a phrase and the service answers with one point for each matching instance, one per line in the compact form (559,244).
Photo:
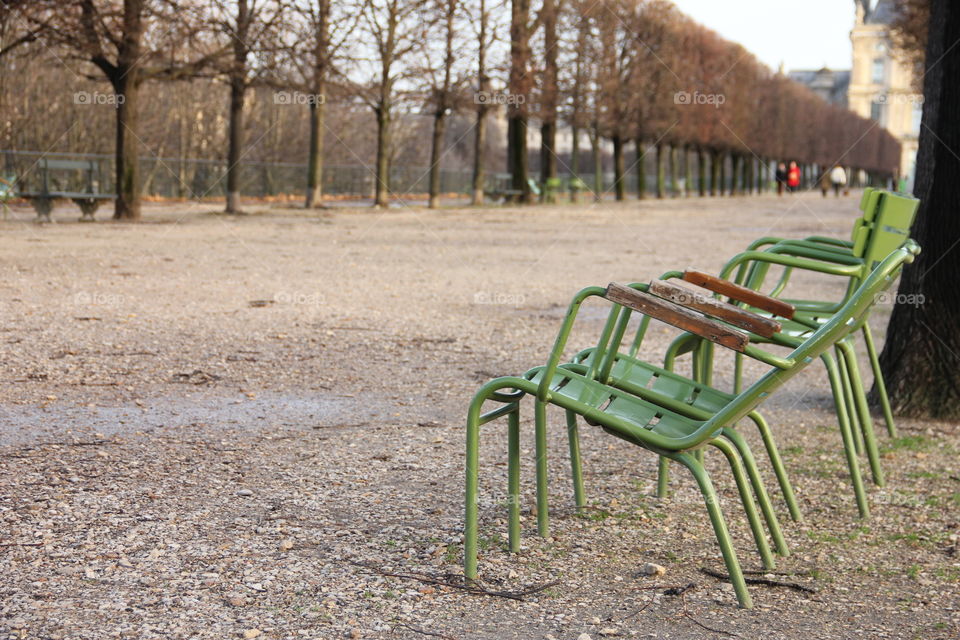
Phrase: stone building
(881,85)
(827,83)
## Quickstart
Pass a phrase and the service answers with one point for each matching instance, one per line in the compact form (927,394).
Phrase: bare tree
(326,25)
(251,28)
(114,39)
(549,90)
(485,37)
(394,28)
(520,85)
(439,71)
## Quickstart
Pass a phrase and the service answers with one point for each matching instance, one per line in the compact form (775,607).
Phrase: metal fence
(199,179)
(202,179)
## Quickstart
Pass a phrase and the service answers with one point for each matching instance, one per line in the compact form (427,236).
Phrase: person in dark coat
(781,178)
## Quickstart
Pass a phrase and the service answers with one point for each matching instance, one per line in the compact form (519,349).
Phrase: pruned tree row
(582,86)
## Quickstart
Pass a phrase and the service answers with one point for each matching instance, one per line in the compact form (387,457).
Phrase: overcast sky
(803,34)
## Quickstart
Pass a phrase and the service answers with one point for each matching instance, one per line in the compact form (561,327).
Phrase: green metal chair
(884,227)
(673,430)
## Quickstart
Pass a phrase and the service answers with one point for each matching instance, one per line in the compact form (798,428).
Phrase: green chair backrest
(837,328)
(862,228)
(897,218)
(890,228)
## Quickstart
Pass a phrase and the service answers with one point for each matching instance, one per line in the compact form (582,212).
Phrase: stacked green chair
(891,218)
(884,227)
(671,428)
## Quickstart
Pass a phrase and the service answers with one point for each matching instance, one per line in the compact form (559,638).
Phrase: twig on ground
(423,631)
(468,588)
(679,591)
(764,581)
(21,544)
(686,614)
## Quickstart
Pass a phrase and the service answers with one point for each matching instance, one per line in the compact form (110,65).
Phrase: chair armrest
(710,306)
(678,316)
(739,293)
(543,390)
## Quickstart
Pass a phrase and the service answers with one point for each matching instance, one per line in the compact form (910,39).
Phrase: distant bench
(88,199)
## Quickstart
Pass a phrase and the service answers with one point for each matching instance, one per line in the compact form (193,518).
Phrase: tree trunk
(919,359)
(661,178)
(548,98)
(517,154)
(597,163)
(723,174)
(439,128)
(479,142)
(641,168)
(672,159)
(127,205)
(618,177)
(480,134)
(736,174)
(548,154)
(575,164)
(687,171)
(715,161)
(382,188)
(315,164)
(702,171)
(237,94)
(520,83)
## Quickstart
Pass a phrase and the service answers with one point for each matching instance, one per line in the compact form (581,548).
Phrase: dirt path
(207,423)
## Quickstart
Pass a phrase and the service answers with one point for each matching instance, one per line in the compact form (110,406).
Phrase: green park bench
(56,177)
(7,193)
(551,189)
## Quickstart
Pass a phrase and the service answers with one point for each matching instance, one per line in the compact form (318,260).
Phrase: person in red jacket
(793,177)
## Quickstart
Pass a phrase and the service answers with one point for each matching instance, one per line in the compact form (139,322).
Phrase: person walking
(826,181)
(793,177)
(839,179)
(781,178)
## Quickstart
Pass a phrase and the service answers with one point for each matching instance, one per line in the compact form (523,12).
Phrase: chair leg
(471,516)
(879,382)
(849,448)
(866,421)
(848,400)
(663,477)
(746,498)
(543,516)
(759,490)
(576,467)
(719,526)
(778,468)
(513,478)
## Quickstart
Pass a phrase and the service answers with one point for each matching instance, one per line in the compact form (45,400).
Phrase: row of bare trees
(624,71)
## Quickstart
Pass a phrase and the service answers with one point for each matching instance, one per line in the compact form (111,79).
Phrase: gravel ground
(236,427)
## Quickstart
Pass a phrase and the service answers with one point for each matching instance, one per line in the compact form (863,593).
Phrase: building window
(917,117)
(877,111)
(878,71)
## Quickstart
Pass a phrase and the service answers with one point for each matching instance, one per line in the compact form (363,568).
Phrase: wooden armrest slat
(739,293)
(678,316)
(760,325)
